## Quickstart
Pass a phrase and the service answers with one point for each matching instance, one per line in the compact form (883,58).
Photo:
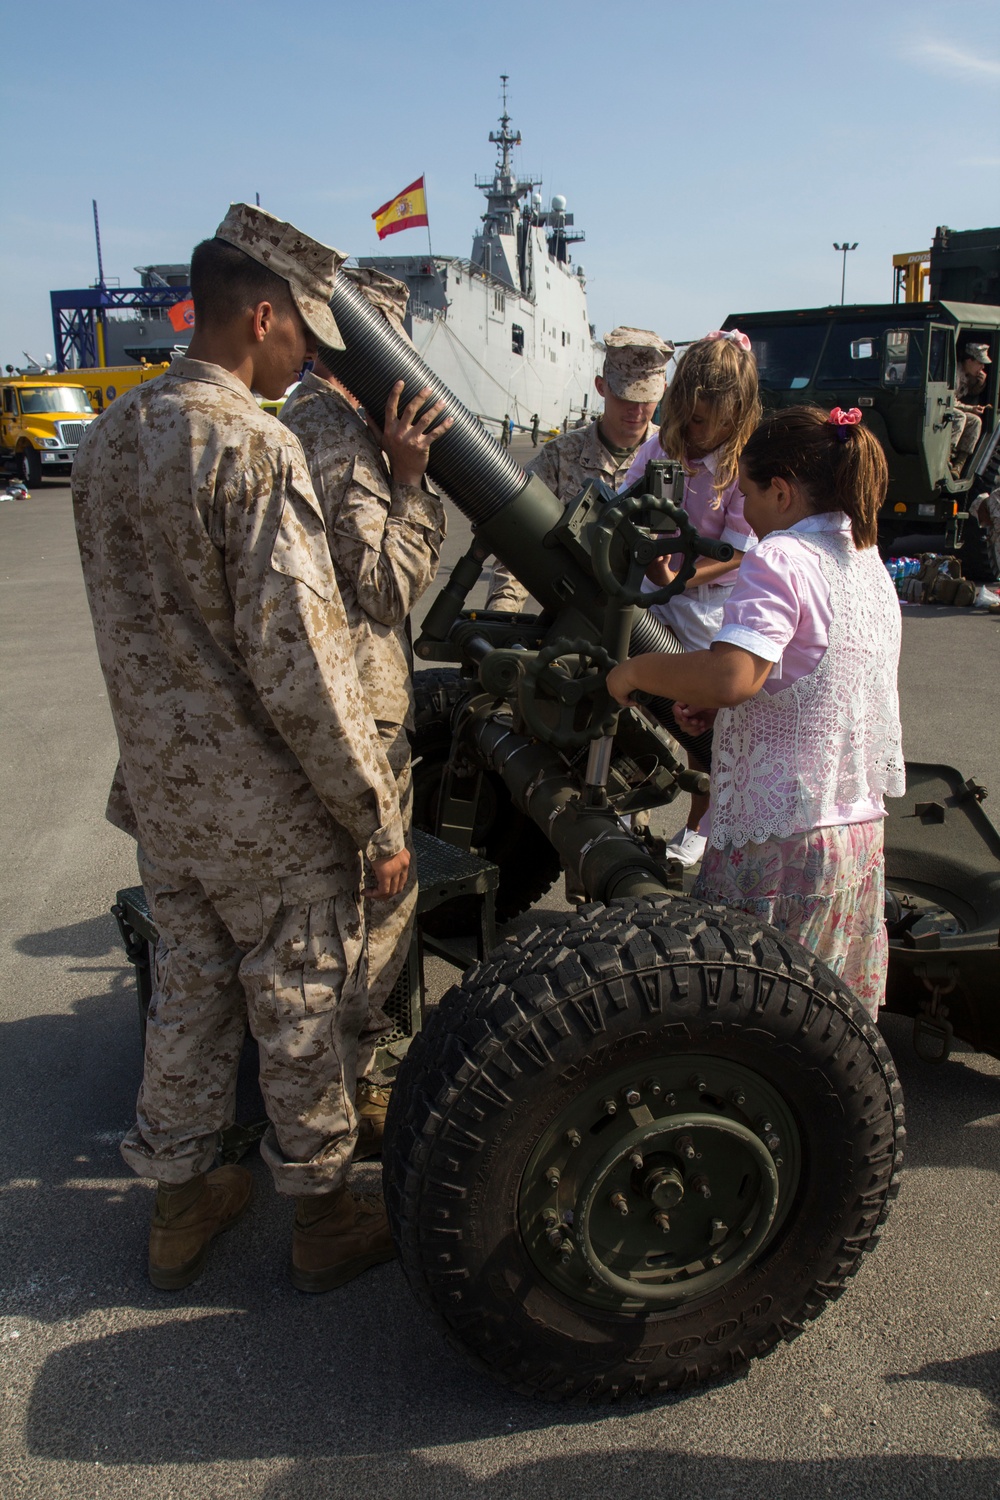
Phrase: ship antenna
(505,138)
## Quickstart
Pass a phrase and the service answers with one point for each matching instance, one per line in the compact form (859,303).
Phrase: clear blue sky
(712,152)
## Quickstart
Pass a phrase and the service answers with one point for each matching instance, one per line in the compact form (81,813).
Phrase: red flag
(181,316)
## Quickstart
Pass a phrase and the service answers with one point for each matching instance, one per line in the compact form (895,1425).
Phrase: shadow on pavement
(93,938)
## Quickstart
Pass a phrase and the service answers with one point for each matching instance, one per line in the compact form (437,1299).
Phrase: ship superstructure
(507,330)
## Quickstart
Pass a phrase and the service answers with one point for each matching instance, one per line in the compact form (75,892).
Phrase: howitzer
(641,1143)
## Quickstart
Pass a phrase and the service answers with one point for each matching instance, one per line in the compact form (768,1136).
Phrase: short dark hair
(226,282)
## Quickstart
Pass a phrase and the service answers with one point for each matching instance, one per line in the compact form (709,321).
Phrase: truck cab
(41,425)
(898,362)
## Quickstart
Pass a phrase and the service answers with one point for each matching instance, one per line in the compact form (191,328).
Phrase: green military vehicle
(898,361)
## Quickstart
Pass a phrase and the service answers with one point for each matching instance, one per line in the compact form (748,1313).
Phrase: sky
(712,153)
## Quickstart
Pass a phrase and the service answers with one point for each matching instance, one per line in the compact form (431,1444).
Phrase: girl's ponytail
(839,464)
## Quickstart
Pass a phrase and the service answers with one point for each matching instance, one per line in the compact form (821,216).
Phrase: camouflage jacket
(245,740)
(385,539)
(565,464)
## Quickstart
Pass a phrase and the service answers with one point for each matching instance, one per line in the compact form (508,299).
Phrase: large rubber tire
(551,1014)
(29,466)
(527,862)
(975,554)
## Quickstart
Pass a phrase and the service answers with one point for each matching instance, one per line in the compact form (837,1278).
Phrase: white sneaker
(687,846)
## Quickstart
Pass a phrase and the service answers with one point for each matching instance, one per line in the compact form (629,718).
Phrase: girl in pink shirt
(709,411)
(801,685)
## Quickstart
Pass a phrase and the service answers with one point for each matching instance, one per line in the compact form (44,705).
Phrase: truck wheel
(29,466)
(636,1149)
(527,862)
(975,554)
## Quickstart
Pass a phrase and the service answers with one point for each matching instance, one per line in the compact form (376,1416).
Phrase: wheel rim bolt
(618,1201)
(685,1147)
(636,1161)
(550,1216)
(738,1096)
(573,1137)
(555,1238)
(610,1107)
(773,1143)
(552,1177)
(763,1125)
(701,1185)
(698,1083)
(662,1222)
(670,1100)
(566,1253)
(652,1086)
(632,1097)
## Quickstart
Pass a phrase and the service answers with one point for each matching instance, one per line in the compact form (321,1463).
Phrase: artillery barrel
(512,512)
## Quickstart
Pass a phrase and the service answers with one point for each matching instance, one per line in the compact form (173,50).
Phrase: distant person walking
(506,430)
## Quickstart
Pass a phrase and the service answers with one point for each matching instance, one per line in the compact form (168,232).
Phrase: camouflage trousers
(390,923)
(505,593)
(286,956)
(965,434)
(987,512)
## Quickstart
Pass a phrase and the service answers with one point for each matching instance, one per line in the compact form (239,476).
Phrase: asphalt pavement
(242,1387)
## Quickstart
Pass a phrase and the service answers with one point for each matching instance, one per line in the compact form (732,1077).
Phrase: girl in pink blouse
(709,411)
(801,685)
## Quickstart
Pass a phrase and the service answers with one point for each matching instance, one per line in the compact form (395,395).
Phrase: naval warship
(507,329)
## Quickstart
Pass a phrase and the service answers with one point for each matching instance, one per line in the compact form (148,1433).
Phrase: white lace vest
(782,762)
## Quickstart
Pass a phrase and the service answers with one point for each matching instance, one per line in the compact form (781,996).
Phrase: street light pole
(843,275)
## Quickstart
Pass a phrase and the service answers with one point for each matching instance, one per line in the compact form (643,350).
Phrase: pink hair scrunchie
(842,421)
(731,335)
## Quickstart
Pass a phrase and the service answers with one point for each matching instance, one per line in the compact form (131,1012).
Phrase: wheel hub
(657,1185)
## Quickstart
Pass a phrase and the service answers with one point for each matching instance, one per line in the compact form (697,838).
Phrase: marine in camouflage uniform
(250,771)
(634,368)
(385,541)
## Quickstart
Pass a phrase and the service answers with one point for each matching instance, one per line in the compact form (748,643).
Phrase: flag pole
(430,251)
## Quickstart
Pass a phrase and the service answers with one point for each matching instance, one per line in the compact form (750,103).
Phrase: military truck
(897,362)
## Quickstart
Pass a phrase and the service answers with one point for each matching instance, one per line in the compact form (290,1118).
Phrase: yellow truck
(41,424)
(43,416)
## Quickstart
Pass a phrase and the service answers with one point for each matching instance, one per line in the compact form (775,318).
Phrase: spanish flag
(408,210)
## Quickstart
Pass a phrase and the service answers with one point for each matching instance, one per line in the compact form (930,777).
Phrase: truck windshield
(51,398)
(786,356)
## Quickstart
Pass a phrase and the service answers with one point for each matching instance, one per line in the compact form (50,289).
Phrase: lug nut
(632,1097)
(662,1222)
(552,1177)
(738,1096)
(566,1253)
(550,1216)
(698,1083)
(763,1125)
(635,1161)
(619,1202)
(610,1107)
(685,1148)
(700,1185)
(652,1086)
(555,1238)
(773,1143)
(573,1137)
(670,1100)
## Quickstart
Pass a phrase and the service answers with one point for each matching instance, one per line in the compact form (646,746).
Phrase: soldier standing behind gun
(385,533)
(632,385)
(250,772)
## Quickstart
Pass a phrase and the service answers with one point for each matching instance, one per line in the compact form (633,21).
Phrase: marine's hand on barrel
(405,436)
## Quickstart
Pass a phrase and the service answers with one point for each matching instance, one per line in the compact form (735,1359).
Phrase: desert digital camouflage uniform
(250,771)
(385,541)
(565,464)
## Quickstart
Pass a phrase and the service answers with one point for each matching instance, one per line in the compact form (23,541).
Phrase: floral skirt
(826,889)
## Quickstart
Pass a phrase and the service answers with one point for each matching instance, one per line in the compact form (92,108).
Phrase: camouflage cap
(382,291)
(307,266)
(980,352)
(635,363)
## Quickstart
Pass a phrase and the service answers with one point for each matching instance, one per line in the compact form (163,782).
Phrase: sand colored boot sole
(336,1237)
(186,1219)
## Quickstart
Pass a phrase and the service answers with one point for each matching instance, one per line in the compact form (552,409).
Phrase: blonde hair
(725,375)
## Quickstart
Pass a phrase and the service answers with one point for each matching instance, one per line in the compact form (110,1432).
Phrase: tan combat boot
(186,1219)
(371,1101)
(336,1237)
